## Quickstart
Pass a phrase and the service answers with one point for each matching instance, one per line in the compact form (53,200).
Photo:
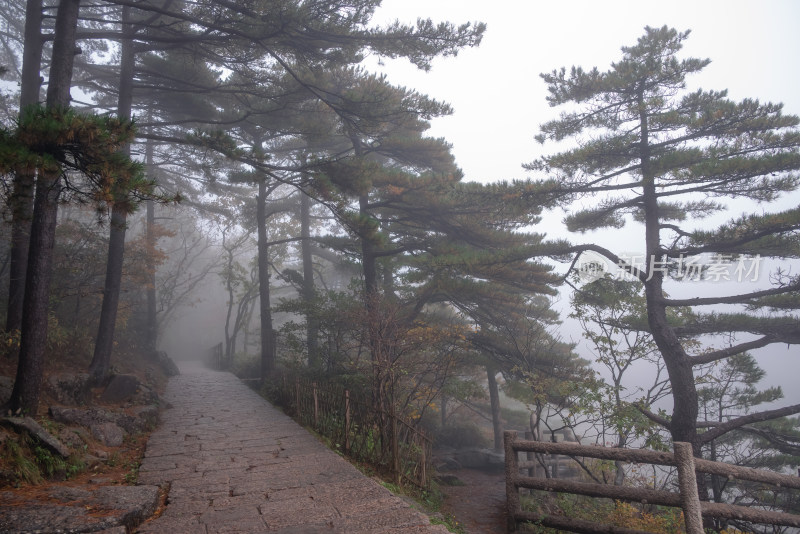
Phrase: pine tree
(650,151)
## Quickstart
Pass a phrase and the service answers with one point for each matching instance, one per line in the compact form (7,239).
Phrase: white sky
(499,98)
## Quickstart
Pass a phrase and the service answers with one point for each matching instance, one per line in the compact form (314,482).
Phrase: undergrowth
(26,461)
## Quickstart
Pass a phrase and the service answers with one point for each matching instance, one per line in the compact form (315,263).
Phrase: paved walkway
(236,464)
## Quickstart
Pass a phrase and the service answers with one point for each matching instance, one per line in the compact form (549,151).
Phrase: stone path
(236,464)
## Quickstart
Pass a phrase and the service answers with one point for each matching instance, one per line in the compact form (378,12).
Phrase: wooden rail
(216,357)
(384,440)
(694,509)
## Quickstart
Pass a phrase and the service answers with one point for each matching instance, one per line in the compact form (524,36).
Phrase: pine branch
(739,422)
(732,299)
(721,354)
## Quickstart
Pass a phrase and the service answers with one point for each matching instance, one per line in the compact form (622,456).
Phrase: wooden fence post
(512,473)
(297,397)
(346,421)
(316,405)
(395,448)
(423,478)
(687,482)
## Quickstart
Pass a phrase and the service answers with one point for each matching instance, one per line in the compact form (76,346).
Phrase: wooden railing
(357,430)
(694,509)
(216,357)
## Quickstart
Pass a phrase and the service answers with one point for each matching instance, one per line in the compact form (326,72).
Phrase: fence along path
(234,463)
(687,498)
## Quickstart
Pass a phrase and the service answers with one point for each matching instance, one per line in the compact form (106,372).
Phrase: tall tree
(650,151)
(24,177)
(25,395)
(121,205)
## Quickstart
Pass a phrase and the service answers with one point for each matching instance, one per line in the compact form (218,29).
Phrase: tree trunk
(104,343)
(372,307)
(152,311)
(494,398)
(267,337)
(312,324)
(230,338)
(27,386)
(22,195)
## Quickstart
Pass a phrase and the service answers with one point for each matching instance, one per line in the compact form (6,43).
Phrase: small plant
(133,473)
(24,468)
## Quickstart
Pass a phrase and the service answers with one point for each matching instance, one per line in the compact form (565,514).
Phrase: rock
(108,434)
(120,388)
(69,388)
(128,423)
(142,419)
(78,416)
(68,493)
(6,387)
(35,429)
(147,416)
(137,502)
(72,437)
(144,395)
(122,508)
(165,362)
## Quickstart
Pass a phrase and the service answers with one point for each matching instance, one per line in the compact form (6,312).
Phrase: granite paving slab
(234,463)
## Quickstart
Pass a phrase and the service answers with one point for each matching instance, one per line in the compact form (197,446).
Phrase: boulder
(78,416)
(120,388)
(72,436)
(109,434)
(141,420)
(165,362)
(136,502)
(144,395)
(75,510)
(36,430)
(69,388)
(146,415)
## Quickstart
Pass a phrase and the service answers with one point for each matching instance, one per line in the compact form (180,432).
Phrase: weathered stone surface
(137,503)
(35,429)
(72,437)
(143,396)
(73,510)
(108,434)
(236,464)
(79,416)
(95,416)
(166,363)
(146,415)
(120,388)
(69,388)
(6,387)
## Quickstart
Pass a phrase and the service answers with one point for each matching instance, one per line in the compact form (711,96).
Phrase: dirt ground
(478,505)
